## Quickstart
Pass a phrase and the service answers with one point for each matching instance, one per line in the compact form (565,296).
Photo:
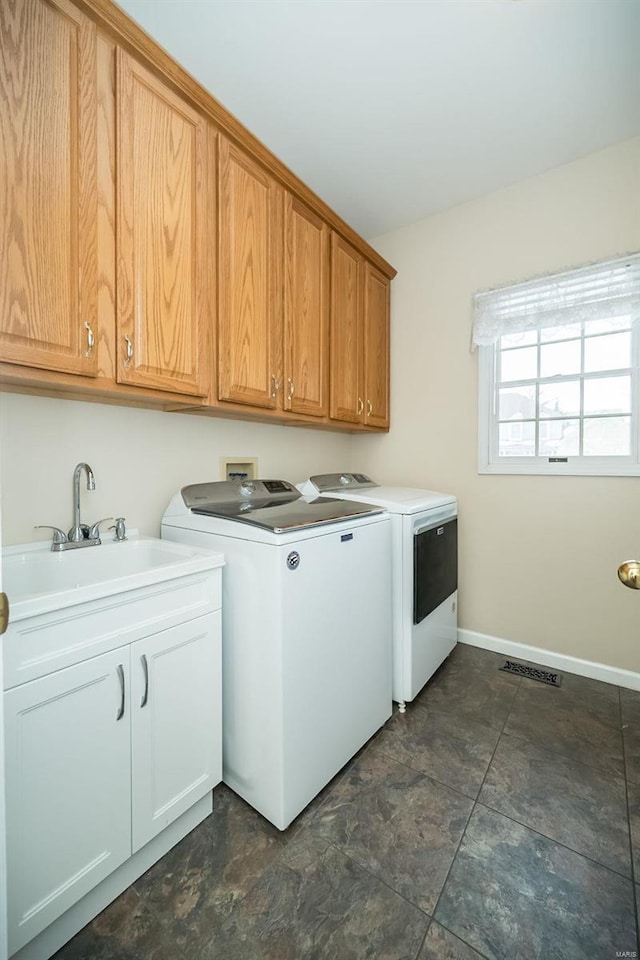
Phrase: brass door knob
(629,574)
(4,612)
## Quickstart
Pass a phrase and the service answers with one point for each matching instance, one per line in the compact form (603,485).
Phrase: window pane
(561,333)
(559,438)
(560,358)
(607,437)
(560,399)
(519,364)
(569,391)
(523,339)
(607,353)
(516,403)
(607,395)
(606,326)
(517,439)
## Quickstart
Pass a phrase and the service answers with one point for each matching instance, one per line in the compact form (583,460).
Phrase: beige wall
(538,554)
(140,458)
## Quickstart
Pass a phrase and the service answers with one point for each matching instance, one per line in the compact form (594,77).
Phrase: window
(560,373)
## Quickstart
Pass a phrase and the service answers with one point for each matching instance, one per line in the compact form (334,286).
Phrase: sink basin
(36,580)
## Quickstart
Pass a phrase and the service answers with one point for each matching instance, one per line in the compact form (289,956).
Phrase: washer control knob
(345,480)
(247,487)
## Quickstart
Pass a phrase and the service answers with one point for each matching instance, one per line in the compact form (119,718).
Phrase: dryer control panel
(336,482)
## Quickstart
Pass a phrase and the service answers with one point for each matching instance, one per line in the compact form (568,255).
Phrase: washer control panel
(241,492)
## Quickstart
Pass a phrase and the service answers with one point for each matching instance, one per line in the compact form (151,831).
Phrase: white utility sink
(37,580)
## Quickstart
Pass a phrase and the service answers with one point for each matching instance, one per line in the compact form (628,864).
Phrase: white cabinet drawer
(42,644)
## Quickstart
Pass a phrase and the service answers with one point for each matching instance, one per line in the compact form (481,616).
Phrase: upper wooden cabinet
(376,289)
(163,283)
(273,316)
(152,251)
(306,310)
(346,332)
(359,338)
(249,280)
(48,199)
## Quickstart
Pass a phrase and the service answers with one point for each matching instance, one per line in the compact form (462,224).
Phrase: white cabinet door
(176,723)
(68,755)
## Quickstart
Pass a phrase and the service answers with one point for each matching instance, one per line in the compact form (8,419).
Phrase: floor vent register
(532,673)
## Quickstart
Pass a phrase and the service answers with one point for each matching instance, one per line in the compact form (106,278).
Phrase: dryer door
(435,566)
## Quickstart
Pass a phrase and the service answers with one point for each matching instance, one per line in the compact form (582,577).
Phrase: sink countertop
(38,580)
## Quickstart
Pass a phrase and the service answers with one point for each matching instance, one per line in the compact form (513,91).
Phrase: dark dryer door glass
(435,567)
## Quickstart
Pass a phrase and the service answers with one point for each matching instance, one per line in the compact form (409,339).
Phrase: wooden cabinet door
(249,280)
(48,197)
(176,723)
(68,776)
(376,347)
(347,401)
(306,310)
(161,229)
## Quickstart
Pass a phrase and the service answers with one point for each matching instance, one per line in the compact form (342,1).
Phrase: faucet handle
(59,536)
(78,534)
(120,529)
(94,529)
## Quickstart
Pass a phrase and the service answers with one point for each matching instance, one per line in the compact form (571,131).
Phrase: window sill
(572,468)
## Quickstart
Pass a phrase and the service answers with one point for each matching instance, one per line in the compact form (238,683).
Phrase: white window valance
(597,292)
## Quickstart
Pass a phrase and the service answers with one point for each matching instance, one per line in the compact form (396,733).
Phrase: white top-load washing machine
(425,572)
(306,632)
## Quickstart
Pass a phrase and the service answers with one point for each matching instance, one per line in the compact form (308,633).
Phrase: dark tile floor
(498,818)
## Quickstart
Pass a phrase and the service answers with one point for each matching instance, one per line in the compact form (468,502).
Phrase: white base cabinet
(176,727)
(68,790)
(103,755)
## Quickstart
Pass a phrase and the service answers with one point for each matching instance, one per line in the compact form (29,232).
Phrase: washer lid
(274,505)
(358,486)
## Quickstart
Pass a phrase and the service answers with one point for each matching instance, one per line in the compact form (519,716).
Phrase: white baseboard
(548,658)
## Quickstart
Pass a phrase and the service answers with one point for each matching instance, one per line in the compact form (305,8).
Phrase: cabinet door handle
(291,388)
(120,713)
(145,670)
(360,405)
(369,408)
(91,340)
(129,352)
(275,385)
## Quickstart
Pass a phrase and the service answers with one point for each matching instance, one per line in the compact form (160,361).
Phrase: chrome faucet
(81,534)
(76,534)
